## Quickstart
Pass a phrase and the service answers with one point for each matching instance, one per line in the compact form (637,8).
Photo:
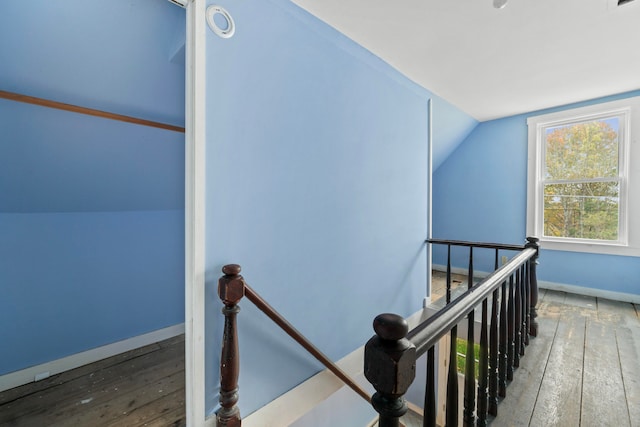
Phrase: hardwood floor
(582,370)
(143,387)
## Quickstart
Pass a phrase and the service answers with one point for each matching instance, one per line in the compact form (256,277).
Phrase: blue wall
(91,232)
(77,280)
(480,193)
(91,210)
(316,185)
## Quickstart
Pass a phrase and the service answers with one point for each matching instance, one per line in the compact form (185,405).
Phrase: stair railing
(391,354)
(231,289)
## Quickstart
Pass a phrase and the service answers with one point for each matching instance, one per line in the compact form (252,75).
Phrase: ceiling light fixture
(499,4)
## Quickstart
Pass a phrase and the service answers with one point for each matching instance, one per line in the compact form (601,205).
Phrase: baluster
(502,362)
(470,273)
(525,299)
(523,304)
(448,274)
(429,419)
(230,290)
(493,357)
(483,368)
(532,242)
(493,348)
(517,320)
(390,366)
(468,418)
(452,381)
(510,330)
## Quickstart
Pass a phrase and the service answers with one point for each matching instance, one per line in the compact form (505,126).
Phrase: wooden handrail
(231,289)
(287,327)
(427,334)
(476,244)
(87,111)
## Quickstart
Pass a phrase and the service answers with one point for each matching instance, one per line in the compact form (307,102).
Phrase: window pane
(582,150)
(582,210)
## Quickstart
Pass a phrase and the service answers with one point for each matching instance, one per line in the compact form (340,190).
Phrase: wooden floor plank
(57,404)
(101,412)
(628,341)
(617,312)
(603,394)
(175,418)
(64,377)
(517,407)
(559,399)
(554,296)
(581,301)
(166,411)
(51,404)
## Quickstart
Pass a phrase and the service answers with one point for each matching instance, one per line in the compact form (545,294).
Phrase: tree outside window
(581,180)
(583,176)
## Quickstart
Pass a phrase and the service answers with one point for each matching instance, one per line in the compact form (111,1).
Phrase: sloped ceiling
(491,63)
(122,57)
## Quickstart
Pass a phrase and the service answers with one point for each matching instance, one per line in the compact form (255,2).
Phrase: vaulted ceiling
(491,63)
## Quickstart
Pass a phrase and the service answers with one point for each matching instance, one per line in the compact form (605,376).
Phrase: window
(580,175)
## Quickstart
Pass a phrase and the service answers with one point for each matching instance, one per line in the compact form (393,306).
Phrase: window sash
(623,116)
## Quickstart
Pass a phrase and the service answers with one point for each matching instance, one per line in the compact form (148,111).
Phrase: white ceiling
(493,63)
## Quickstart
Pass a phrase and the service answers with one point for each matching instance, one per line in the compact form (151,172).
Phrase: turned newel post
(230,290)
(532,242)
(390,366)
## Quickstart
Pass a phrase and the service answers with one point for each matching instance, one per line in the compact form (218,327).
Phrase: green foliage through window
(581,180)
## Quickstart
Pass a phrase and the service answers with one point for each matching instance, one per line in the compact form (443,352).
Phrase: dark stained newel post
(532,242)
(390,366)
(231,289)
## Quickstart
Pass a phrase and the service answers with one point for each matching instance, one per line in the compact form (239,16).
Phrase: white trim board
(45,370)
(563,287)
(195,104)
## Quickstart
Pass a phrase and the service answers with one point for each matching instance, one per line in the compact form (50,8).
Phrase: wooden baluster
(468,417)
(230,290)
(390,366)
(510,330)
(429,418)
(532,242)
(448,274)
(526,308)
(502,362)
(493,356)
(470,272)
(493,349)
(483,369)
(452,381)
(523,304)
(517,320)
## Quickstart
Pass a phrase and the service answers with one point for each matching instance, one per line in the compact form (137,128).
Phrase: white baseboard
(598,293)
(563,287)
(45,370)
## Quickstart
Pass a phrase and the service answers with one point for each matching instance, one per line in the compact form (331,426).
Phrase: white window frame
(628,242)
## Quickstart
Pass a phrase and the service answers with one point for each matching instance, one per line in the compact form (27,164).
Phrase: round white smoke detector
(220,22)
